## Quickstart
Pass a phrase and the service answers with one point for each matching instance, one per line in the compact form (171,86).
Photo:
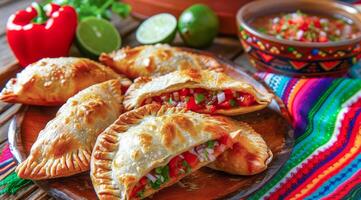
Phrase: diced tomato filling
(180,165)
(190,158)
(196,99)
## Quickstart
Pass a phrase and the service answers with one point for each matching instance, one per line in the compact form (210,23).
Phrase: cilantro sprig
(96,8)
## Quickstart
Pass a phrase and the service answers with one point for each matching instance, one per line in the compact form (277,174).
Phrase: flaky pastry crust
(52,81)
(64,146)
(156,60)
(145,138)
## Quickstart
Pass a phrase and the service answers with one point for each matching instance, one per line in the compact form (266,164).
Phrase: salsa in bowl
(305,27)
(301,38)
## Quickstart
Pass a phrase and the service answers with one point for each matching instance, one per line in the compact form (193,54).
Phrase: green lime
(95,36)
(198,26)
(160,28)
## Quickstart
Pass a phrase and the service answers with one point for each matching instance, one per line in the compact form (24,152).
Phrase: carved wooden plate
(272,123)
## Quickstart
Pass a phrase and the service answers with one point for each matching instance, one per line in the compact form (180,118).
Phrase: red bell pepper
(33,34)
(175,166)
(184,92)
(192,105)
(228,94)
(225,140)
(224,105)
(191,159)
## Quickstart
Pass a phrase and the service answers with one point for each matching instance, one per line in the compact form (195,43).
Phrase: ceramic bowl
(296,58)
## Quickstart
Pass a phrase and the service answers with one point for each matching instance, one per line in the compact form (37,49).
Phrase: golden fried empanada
(249,154)
(155,146)
(64,146)
(52,81)
(202,91)
(156,60)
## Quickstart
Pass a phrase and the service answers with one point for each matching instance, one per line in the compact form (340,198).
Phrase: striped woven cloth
(326,160)
(7,162)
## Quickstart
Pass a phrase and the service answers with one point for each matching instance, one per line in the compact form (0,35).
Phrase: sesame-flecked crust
(64,146)
(145,138)
(145,87)
(52,81)
(250,154)
(156,60)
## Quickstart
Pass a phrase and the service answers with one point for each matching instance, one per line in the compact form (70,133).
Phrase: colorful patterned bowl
(298,58)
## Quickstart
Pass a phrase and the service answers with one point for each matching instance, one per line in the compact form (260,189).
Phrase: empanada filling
(181,165)
(196,99)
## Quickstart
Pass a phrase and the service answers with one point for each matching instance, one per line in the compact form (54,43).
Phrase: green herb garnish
(210,144)
(206,154)
(95,8)
(165,173)
(233,102)
(170,101)
(156,185)
(186,165)
(199,98)
(140,194)
(158,170)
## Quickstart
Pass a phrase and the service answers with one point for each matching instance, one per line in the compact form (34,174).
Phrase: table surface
(227,47)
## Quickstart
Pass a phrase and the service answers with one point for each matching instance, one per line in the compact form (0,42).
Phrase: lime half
(95,36)
(159,28)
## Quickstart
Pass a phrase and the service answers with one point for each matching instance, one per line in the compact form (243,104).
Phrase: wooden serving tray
(272,123)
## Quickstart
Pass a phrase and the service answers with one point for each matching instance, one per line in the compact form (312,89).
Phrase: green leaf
(199,98)
(233,102)
(107,14)
(43,3)
(206,154)
(210,144)
(156,184)
(87,10)
(121,9)
(186,165)
(170,101)
(140,194)
(158,170)
(96,8)
(165,173)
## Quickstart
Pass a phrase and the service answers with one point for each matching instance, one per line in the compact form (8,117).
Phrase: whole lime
(198,26)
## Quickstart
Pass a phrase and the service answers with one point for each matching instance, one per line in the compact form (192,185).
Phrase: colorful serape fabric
(7,162)
(326,160)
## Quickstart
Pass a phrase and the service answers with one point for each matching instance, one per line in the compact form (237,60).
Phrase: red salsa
(197,99)
(180,165)
(299,26)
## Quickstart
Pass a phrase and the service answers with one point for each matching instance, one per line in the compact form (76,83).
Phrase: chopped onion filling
(180,165)
(201,99)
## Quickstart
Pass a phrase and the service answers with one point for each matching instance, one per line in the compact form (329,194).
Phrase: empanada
(156,60)
(202,91)
(153,147)
(64,146)
(249,155)
(52,81)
